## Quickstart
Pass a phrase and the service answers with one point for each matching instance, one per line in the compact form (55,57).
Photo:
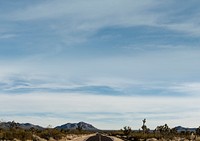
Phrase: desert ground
(74,137)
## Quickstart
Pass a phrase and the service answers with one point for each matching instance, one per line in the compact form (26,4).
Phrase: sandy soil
(76,137)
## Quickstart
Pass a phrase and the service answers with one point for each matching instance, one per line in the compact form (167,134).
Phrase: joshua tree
(13,125)
(127,130)
(163,129)
(144,121)
(198,131)
(144,127)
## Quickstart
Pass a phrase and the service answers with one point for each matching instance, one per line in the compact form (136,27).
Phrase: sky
(108,63)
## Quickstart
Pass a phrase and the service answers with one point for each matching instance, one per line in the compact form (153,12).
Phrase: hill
(26,126)
(82,125)
(184,129)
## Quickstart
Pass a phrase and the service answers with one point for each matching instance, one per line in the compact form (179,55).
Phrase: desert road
(99,137)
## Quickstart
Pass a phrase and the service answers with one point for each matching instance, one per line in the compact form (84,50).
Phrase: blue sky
(109,63)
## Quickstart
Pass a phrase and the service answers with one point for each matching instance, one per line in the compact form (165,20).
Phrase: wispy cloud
(115,76)
(190,88)
(130,108)
(87,16)
(26,84)
(7,36)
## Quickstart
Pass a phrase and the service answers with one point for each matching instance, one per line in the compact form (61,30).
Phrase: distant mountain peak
(180,129)
(9,124)
(72,126)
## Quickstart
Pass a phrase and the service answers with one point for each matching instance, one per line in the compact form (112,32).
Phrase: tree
(13,125)
(163,129)
(144,127)
(144,121)
(127,130)
(198,131)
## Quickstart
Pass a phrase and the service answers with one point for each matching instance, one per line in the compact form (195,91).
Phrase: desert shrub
(50,133)
(7,135)
(44,134)
(16,134)
(22,135)
(56,134)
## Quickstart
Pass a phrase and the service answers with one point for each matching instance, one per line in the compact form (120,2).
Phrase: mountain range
(70,126)
(80,125)
(67,126)
(184,129)
(27,126)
